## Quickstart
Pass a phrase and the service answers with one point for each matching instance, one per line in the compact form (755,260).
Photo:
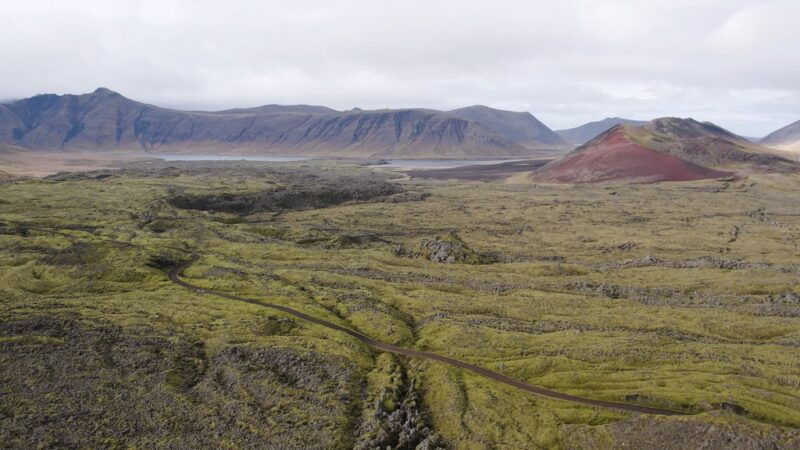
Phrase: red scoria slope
(612,156)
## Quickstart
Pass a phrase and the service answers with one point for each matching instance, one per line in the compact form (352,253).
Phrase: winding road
(175,276)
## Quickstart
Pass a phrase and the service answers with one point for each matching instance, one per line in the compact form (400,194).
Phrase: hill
(709,145)
(667,149)
(786,138)
(613,156)
(520,127)
(586,132)
(105,120)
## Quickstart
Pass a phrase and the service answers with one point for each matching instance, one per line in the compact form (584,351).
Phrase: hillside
(690,129)
(709,145)
(586,132)
(520,127)
(786,138)
(667,149)
(613,156)
(105,120)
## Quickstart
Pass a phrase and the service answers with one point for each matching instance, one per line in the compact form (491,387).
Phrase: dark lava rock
(449,249)
(301,195)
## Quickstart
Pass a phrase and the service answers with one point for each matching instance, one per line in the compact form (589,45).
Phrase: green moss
(693,316)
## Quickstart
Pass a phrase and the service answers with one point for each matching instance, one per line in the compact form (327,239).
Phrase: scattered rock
(642,432)
(624,247)
(787,297)
(732,407)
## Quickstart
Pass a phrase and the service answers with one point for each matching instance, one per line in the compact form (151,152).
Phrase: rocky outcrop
(396,421)
(445,249)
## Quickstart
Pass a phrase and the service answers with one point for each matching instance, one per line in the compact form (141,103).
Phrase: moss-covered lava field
(679,296)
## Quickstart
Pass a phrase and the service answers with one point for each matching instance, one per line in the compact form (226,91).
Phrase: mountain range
(666,149)
(106,120)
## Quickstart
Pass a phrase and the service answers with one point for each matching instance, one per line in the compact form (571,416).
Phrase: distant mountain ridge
(665,149)
(521,127)
(105,120)
(280,109)
(588,131)
(786,138)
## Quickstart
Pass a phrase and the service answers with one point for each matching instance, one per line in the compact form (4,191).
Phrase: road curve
(175,273)
(174,276)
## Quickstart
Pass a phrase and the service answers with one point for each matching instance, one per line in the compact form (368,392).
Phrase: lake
(438,163)
(390,163)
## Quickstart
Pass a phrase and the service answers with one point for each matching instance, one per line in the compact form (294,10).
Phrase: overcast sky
(733,62)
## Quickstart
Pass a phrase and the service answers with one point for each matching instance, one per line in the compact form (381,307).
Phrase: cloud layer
(733,62)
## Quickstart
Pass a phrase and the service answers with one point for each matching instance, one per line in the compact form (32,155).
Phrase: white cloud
(567,62)
(760,29)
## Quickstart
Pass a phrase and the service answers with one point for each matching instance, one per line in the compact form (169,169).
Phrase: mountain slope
(520,127)
(690,129)
(709,145)
(786,138)
(586,132)
(612,156)
(667,149)
(105,120)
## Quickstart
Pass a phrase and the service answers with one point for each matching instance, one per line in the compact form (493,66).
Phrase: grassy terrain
(677,295)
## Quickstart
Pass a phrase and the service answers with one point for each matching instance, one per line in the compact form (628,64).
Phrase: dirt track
(174,276)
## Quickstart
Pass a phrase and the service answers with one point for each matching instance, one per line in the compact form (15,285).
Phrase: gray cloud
(733,62)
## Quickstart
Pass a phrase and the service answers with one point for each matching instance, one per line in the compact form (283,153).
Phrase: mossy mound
(446,249)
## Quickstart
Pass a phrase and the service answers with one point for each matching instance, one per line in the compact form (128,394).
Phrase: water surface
(438,163)
(389,163)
